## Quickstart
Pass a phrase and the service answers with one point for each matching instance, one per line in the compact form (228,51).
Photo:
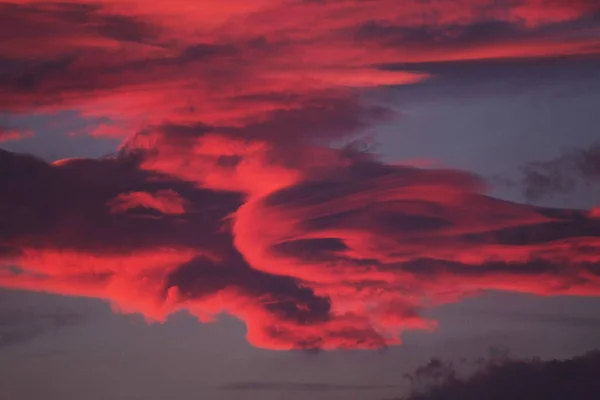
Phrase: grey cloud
(561,174)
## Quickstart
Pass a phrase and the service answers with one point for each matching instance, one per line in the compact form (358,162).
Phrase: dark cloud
(67,206)
(560,175)
(317,119)
(447,36)
(8,134)
(505,378)
(281,295)
(480,32)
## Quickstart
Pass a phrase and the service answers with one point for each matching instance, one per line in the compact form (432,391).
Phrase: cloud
(164,201)
(187,63)
(561,174)
(233,192)
(507,378)
(7,135)
(341,253)
(494,37)
(66,27)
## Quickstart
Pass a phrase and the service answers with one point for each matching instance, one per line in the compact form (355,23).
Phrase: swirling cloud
(227,195)
(344,252)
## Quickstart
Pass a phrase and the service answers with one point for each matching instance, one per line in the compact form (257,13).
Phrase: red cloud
(164,201)
(190,61)
(343,252)
(227,199)
(8,135)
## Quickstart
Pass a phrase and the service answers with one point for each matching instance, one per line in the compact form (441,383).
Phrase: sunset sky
(292,199)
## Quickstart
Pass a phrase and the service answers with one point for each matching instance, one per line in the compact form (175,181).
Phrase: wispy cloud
(559,175)
(10,134)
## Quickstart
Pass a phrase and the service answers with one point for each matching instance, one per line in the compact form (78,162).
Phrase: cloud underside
(225,195)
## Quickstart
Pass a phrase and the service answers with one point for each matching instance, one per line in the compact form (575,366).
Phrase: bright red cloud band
(227,199)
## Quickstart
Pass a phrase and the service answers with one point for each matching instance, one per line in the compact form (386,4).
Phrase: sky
(296,199)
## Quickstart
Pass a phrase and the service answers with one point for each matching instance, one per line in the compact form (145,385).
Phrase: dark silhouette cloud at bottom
(506,378)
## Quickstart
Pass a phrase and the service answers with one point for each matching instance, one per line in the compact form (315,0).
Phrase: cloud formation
(561,174)
(501,379)
(7,134)
(344,252)
(226,194)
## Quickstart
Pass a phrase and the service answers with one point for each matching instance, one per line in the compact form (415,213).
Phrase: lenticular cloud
(226,195)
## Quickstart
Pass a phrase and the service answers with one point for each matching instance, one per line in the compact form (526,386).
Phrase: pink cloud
(9,135)
(225,196)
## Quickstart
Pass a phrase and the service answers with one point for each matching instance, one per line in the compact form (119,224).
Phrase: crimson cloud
(227,195)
